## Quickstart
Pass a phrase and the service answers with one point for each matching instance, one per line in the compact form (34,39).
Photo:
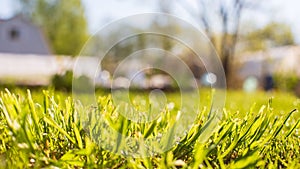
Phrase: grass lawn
(47,129)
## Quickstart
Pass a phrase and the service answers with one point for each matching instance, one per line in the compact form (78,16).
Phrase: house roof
(29,39)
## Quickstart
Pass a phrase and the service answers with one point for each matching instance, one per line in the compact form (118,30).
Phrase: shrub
(64,82)
(286,82)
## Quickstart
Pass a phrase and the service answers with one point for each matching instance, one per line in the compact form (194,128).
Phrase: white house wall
(35,69)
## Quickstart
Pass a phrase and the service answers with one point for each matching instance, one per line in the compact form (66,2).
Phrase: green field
(44,129)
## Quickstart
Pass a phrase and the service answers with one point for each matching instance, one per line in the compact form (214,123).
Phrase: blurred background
(257,41)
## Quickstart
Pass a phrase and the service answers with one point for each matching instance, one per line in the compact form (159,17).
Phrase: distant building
(20,36)
(264,64)
(283,59)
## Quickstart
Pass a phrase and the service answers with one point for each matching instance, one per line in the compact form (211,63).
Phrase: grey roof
(20,36)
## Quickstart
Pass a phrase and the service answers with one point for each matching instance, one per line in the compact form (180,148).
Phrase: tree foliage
(62,21)
(271,35)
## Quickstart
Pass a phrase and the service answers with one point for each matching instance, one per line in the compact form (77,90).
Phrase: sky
(101,12)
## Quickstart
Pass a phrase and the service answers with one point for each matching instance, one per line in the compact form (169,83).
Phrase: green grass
(45,130)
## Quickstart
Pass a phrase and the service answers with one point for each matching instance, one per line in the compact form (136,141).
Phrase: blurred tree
(221,16)
(62,21)
(272,35)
